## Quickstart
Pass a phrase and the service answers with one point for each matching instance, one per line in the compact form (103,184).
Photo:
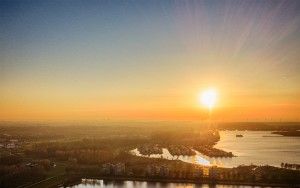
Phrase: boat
(239,135)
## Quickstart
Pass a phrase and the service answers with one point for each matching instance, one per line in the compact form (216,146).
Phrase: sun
(208,98)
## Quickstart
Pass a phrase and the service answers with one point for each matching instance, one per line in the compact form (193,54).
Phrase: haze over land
(149,60)
(110,93)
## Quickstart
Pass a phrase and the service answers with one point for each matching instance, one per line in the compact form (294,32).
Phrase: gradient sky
(149,59)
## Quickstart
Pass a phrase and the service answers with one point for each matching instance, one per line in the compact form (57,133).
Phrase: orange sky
(150,61)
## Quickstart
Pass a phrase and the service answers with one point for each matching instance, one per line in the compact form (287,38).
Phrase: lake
(94,183)
(255,147)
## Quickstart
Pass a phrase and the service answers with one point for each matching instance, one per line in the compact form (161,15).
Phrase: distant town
(52,156)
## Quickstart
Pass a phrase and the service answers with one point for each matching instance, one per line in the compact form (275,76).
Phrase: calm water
(256,147)
(93,183)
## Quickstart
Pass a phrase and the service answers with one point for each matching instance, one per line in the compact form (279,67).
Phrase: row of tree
(13,175)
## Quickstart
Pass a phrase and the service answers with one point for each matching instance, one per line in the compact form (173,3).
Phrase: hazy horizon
(149,60)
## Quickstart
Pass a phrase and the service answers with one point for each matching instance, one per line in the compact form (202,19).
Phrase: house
(10,145)
(205,171)
(119,169)
(113,169)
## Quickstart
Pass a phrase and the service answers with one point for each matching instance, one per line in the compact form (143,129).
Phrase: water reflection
(255,147)
(93,183)
(198,158)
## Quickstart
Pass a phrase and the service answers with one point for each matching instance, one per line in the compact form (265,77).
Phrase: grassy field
(54,177)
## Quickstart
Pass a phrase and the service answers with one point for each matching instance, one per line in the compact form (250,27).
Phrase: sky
(150,60)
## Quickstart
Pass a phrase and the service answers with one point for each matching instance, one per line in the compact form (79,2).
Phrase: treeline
(294,133)
(44,132)
(13,175)
(149,149)
(188,137)
(13,172)
(85,151)
(259,126)
(184,131)
(290,166)
(88,143)
(181,150)
(10,159)
(213,152)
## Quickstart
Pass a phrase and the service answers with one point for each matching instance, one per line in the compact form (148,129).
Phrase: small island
(181,150)
(210,151)
(150,149)
(293,133)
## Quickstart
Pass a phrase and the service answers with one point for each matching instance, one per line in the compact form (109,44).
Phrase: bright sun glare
(208,98)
